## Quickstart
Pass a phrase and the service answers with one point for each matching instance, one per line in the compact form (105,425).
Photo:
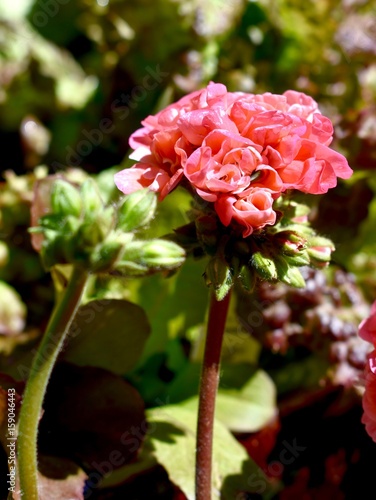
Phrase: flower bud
(142,257)
(264,265)
(89,234)
(137,210)
(106,219)
(320,251)
(91,198)
(218,275)
(104,256)
(296,212)
(53,250)
(65,199)
(290,242)
(289,274)
(131,269)
(59,238)
(50,221)
(299,260)
(247,279)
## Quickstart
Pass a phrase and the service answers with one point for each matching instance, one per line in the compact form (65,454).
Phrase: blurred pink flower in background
(367,328)
(367,331)
(239,151)
(369,397)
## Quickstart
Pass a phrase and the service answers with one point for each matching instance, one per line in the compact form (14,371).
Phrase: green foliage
(136,210)
(246,400)
(109,334)
(173,306)
(92,412)
(175,428)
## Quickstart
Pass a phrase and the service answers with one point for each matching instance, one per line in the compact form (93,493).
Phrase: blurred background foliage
(76,79)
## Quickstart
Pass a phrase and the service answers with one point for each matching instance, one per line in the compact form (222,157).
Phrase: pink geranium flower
(369,397)
(367,328)
(239,151)
(367,331)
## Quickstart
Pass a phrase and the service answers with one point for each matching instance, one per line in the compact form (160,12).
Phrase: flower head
(369,398)
(367,331)
(367,328)
(238,151)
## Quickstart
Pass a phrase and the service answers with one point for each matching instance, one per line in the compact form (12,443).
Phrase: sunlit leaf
(246,399)
(172,437)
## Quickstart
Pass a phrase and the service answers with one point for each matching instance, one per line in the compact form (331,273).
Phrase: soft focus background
(76,78)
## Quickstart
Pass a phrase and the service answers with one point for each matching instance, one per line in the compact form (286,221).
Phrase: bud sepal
(136,210)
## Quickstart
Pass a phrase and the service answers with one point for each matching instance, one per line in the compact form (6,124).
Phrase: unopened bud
(264,265)
(289,274)
(51,221)
(137,210)
(141,257)
(53,250)
(65,199)
(320,251)
(106,219)
(299,259)
(290,242)
(91,198)
(296,212)
(104,256)
(218,275)
(247,279)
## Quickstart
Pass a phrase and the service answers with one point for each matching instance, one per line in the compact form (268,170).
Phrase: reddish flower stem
(208,392)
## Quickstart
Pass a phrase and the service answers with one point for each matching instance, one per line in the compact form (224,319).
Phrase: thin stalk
(36,386)
(208,392)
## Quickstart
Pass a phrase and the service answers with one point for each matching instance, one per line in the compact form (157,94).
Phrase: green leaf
(144,461)
(173,439)
(246,399)
(172,305)
(249,407)
(108,333)
(93,417)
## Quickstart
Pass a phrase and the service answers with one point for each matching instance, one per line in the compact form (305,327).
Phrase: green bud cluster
(81,230)
(144,257)
(273,253)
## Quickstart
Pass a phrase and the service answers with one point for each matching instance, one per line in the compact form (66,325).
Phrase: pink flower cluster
(367,331)
(239,151)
